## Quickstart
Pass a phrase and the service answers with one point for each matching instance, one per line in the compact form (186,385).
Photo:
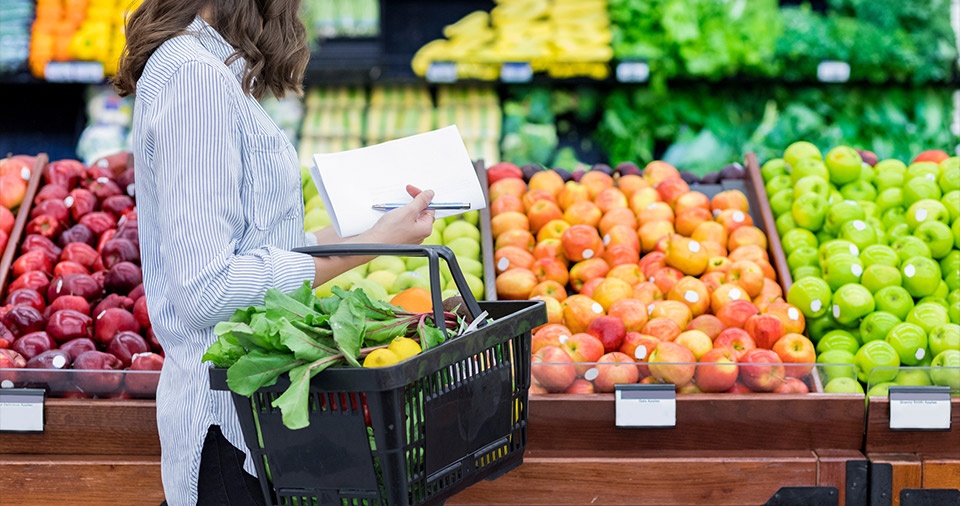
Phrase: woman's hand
(410,224)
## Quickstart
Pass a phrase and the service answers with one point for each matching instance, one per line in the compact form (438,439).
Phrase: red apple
(762,370)
(796,349)
(613,369)
(609,330)
(737,340)
(717,370)
(765,330)
(553,369)
(792,386)
(736,313)
(672,363)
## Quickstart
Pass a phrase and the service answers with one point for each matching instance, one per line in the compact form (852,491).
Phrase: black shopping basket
(410,434)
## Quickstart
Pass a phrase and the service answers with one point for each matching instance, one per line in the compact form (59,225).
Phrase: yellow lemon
(404,347)
(381,358)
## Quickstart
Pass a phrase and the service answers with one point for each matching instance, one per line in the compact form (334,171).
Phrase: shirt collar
(215,43)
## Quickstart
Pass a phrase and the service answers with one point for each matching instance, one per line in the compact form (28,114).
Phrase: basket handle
(433,254)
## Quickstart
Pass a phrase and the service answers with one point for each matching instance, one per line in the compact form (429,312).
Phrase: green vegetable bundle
(302,335)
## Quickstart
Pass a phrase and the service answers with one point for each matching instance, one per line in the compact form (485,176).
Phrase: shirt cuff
(291,269)
(309,239)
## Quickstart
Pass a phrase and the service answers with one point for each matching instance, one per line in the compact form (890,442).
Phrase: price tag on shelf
(21,409)
(920,408)
(442,72)
(633,72)
(516,72)
(833,71)
(74,72)
(646,406)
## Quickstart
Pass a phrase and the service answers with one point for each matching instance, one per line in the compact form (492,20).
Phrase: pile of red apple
(644,281)
(76,300)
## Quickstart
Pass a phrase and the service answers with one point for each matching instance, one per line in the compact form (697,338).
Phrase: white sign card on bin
(21,409)
(646,406)
(920,408)
(352,182)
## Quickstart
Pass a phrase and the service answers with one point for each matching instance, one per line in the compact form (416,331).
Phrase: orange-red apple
(643,198)
(692,200)
(579,386)
(677,311)
(512,257)
(792,386)
(796,349)
(552,229)
(656,211)
(508,186)
(572,192)
(667,277)
(548,181)
(750,252)
(506,203)
(549,248)
(515,284)
(687,255)
(791,317)
(579,311)
(695,341)
(610,199)
(725,294)
(630,183)
(671,189)
(533,196)
(718,264)
(583,348)
(622,235)
(510,220)
(687,221)
(610,290)
(672,363)
(582,242)
(717,370)
(663,329)
(596,181)
(647,292)
(609,330)
(548,335)
(552,269)
(549,288)
(736,339)
(552,368)
(651,233)
(630,273)
(658,170)
(761,370)
(745,235)
(736,312)
(517,237)
(620,216)
(692,293)
(746,275)
(614,369)
(712,280)
(729,199)
(620,254)
(708,324)
(583,213)
(541,213)
(554,309)
(632,312)
(584,271)
(651,263)
(710,231)
(765,330)
(590,286)
(732,219)
(639,346)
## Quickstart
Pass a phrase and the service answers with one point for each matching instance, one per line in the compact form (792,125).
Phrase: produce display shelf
(80,480)
(23,216)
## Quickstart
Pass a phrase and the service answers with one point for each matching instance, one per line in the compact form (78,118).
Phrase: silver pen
(438,206)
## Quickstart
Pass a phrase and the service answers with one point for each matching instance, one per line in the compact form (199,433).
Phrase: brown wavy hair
(268,34)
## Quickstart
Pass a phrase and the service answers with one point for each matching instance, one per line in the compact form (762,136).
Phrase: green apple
(785,223)
(800,150)
(811,184)
(811,296)
(810,168)
(892,219)
(878,276)
(315,219)
(921,275)
(927,210)
(908,247)
(841,269)
(867,173)
(475,284)
(879,254)
(458,229)
(472,217)
(835,196)
(851,302)
(450,292)
(809,211)
(886,180)
(949,178)
(838,340)
(895,300)
(859,233)
(779,183)
(928,316)
(843,386)
(920,188)
(944,337)
(373,289)
(952,202)
(926,170)
(824,237)
(859,191)
(909,377)
(410,279)
(465,247)
(817,328)
(869,207)
(471,266)
(890,165)
(844,164)
(436,236)
(940,301)
(876,362)
(881,389)
(782,202)
(938,237)
(889,199)
(953,306)
(773,167)
(439,225)
(956,233)
(945,369)
(877,225)
(807,271)
(806,255)
(797,238)
(876,325)
(837,364)
(384,278)
(909,341)
(837,247)
(344,281)
(950,267)
(315,202)
(413,262)
(390,263)
(840,213)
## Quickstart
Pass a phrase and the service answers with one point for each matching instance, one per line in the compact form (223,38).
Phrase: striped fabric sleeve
(199,183)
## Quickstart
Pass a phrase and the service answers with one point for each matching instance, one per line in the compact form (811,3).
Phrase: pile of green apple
(385,276)
(874,252)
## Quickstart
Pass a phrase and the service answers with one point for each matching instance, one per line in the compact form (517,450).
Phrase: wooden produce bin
(724,449)
(91,451)
(912,467)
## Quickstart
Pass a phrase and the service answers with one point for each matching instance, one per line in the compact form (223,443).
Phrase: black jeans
(222,480)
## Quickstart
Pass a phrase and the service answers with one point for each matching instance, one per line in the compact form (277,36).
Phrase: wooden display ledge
(80,480)
(615,477)
(880,439)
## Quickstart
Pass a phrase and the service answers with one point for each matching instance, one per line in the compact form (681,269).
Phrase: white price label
(516,72)
(920,408)
(442,72)
(833,71)
(74,72)
(21,410)
(633,72)
(646,406)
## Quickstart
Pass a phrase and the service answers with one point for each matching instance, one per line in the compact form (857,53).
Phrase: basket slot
(491,454)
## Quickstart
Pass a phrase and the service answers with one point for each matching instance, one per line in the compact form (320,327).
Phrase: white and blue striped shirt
(220,207)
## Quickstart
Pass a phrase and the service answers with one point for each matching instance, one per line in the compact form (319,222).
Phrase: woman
(220,207)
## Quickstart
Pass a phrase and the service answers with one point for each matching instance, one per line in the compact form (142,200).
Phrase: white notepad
(351,182)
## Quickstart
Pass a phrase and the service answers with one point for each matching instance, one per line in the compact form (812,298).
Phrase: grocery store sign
(633,72)
(516,72)
(442,72)
(920,408)
(21,410)
(646,406)
(74,72)
(833,71)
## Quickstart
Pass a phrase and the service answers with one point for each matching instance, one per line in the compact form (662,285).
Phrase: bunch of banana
(582,38)
(464,39)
